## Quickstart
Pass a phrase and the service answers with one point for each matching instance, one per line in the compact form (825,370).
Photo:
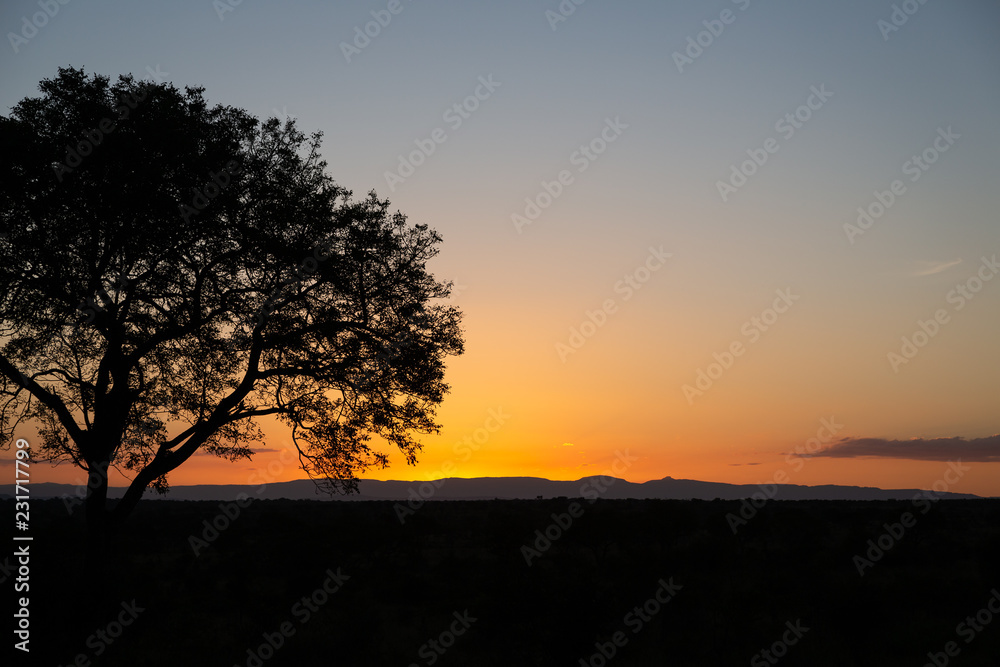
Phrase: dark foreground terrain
(309,583)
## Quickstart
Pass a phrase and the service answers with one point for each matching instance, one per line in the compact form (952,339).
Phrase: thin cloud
(930,268)
(982,450)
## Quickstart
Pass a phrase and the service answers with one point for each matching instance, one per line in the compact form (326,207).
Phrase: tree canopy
(172,271)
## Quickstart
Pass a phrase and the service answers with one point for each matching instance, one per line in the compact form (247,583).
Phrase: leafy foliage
(172,271)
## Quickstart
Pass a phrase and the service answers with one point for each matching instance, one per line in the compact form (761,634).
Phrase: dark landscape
(405,584)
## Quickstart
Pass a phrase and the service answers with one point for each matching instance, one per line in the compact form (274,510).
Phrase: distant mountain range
(508,488)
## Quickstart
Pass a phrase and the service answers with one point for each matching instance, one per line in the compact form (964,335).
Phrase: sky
(713,235)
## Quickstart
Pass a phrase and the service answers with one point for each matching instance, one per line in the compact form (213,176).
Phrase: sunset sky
(651,214)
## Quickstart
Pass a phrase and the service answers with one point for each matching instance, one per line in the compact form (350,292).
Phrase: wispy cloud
(983,450)
(930,268)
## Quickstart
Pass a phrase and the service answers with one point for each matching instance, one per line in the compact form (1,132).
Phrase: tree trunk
(96,504)
(96,513)
(133,494)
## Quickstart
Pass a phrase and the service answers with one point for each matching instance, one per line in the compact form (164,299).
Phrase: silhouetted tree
(171,271)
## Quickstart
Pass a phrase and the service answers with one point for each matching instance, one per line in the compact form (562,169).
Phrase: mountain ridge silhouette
(509,488)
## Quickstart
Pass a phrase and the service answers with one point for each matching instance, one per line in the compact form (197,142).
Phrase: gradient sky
(681,130)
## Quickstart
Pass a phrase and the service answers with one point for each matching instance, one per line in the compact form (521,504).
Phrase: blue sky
(655,185)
